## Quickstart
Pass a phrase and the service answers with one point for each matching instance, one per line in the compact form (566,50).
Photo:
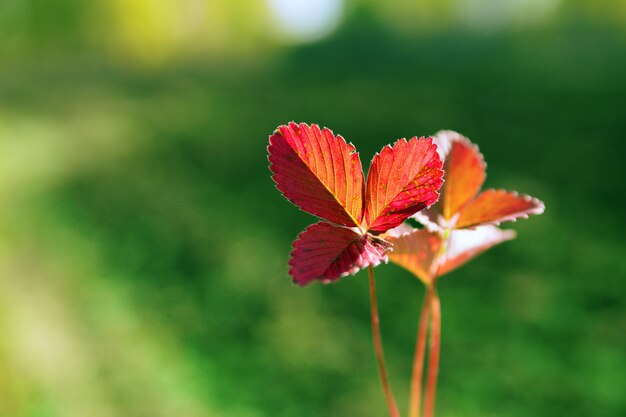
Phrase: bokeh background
(144,248)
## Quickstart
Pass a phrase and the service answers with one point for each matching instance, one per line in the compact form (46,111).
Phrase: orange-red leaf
(402,180)
(465,171)
(464,245)
(319,172)
(327,252)
(416,251)
(497,206)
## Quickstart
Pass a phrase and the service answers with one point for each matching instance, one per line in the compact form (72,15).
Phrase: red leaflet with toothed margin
(465,171)
(461,205)
(497,206)
(402,180)
(328,252)
(320,173)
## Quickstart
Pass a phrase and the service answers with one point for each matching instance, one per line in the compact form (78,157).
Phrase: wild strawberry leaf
(464,245)
(319,172)
(465,171)
(402,180)
(497,206)
(327,252)
(416,251)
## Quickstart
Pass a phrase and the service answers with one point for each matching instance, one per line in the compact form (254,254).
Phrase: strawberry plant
(458,228)
(364,221)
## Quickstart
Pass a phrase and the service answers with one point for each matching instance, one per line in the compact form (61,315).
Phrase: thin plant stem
(420,353)
(433,356)
(378,347)
(434,343)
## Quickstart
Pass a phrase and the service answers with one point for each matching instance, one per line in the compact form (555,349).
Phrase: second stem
(433,355)
(420,354)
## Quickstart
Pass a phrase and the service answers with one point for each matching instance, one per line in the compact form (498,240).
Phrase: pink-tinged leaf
(402,180)
(327,252)
(319,172)
(431,219)
(465,171)
(416,251)
(464,245)
(497,206)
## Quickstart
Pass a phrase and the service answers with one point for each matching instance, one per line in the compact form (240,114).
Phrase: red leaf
(465,171)
(402,181)
(416,252)
(327,252)
(464,245)
(319,172)
(496,206)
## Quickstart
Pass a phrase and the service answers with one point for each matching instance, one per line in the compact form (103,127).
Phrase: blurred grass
(143,247)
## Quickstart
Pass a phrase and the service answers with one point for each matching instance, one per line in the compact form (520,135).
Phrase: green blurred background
(144,248)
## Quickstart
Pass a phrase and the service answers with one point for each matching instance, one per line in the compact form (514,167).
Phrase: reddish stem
(420,353)
(433,356)
(378,347)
